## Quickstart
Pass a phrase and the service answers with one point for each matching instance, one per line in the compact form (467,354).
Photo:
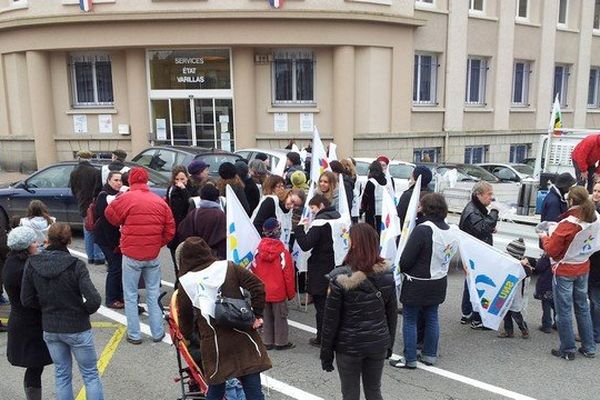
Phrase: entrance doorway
(194,122)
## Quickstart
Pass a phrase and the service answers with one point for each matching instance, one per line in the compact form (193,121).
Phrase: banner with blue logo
(242,237)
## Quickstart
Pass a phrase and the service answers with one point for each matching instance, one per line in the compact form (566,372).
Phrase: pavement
(473,365)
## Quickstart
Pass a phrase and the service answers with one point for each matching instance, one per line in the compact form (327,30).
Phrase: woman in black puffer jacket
(360,316)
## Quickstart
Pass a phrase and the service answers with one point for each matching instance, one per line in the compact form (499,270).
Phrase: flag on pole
(410,221)
(493,278)
(319,162)
(389,185)
(332,155)
(390,228)
(343,207)
(202,287)
(242,237)
(276,3)
(85,5)
(299,256)
(556,118)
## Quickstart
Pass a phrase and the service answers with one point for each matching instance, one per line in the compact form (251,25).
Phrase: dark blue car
(51,185)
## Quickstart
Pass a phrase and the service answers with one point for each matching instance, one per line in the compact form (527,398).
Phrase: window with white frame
(91,80)
(519,152)
(476,5)
(597,15)
(425,79)
(561,83)
(475,154)
(563,11)
(476,80)
(293,76)
(523,9)
(520,92)
(425,2)
(592,101)
(426,154)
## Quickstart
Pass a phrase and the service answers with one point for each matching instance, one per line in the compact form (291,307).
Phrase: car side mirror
(20,185)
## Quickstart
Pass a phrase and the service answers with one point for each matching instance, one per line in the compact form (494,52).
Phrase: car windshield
(478,173)
(523,169)
(215,161)
(401,171)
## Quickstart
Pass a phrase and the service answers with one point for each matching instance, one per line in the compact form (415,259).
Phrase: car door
(50,185)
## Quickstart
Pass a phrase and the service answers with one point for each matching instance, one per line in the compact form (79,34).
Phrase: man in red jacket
(146,226)
(585,156)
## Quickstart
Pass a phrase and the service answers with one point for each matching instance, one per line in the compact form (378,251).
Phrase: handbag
(233,313)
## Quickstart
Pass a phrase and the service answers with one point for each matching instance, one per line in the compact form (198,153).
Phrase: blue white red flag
(85,5)
(276,3)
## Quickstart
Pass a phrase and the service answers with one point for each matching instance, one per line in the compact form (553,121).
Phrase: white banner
(319,162)
(332,155)
(343,206)
(202,286)
(299,256)
(390,228)
(242,237)
(410,220)
(493,278)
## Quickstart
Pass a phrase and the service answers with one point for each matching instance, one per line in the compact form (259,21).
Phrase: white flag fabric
(410,220)
(332,155)
(389,185)
(493,278)
(390,228)
(319,162)
(343,206)
(202,287)
(340,234)
(242,237)
(295,148)
(299,256)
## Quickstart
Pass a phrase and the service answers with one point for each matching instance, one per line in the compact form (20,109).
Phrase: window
(425,79)
(518,152)
(293,77)
(91,77)
(50,178)
(523,9)
(563,6)
(561,81)
(427,154)
(592,101)
(425,2)
(597,15)
(475,154)
(476,79)
(476,5)
(520,94)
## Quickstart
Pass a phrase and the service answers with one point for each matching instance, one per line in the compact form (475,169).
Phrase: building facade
(463,81)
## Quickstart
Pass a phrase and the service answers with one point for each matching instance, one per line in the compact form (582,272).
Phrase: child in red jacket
(273,265)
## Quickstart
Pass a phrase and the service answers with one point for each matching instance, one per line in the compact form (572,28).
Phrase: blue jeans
(548,313)
(571,291)
(594,293)
(150,270)
(81,345)
(250,384)
(92,250)
(466,306)
(429,314)
(114,276)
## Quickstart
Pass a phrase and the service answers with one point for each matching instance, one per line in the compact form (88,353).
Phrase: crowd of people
(356,302)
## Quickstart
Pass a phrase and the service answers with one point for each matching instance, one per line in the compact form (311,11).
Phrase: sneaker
(425,360)
(567,356)
(159,339)
(465,319)
(525,334)
(586,354)
(544,329)
(506,335)
(315,342)
(287,346)
(476,325)
(401,363)
(134,341)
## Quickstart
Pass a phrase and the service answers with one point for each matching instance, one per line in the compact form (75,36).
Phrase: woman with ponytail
(570,248)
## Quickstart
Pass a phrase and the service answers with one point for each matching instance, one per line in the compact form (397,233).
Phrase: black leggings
(33,377)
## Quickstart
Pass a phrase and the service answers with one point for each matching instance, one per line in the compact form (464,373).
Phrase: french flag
(276,3)
(85,5)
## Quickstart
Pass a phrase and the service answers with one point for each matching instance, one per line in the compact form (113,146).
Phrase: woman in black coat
(25,346)
(360,316)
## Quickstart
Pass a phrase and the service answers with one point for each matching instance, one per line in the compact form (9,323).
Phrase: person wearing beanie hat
(426,176)
(516,249)
(199,176)
(25,345)
(293,163)
(298,180)
(384,161)
(86,182)
(198,167)
(117,164)
(229,176)
(147,225)
(250,187)
(555,202)
(274,266)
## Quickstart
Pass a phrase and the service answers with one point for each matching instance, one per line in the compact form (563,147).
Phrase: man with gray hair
(477,221)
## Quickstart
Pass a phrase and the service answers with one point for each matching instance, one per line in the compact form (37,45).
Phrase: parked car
(162,159)
(401,172)
(51,185)
(277,158)
(511,172)
(466,172)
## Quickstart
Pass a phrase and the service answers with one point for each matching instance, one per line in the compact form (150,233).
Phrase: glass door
(182,127)
(205,122)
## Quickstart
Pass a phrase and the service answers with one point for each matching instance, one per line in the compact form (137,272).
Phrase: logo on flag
(242,237)
(276,3)
(85,5)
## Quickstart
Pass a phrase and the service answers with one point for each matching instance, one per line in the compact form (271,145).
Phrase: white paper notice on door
(306,122)
(105,123)
(161,129)
(280,122)
(225,141)
(80,123)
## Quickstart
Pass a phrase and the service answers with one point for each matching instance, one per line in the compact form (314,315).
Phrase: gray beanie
(21,238)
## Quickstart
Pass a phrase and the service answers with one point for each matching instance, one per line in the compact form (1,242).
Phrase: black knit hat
(227,171)
(209,192)
(516,248)
(241,167)
(271,228)
(565,181)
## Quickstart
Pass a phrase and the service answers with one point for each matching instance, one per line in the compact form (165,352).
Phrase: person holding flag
(280,206)
(426,176)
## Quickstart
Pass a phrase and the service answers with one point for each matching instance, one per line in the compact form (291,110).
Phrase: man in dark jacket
(478,222)
(85,183)
(555,204)
(322,258)
(293,163)
(426,176)
(250,187)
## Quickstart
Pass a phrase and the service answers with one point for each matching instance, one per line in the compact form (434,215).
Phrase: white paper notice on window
(80,123)
(306,122)
(161,129)
(280,122)
(105,123)
(225,141)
